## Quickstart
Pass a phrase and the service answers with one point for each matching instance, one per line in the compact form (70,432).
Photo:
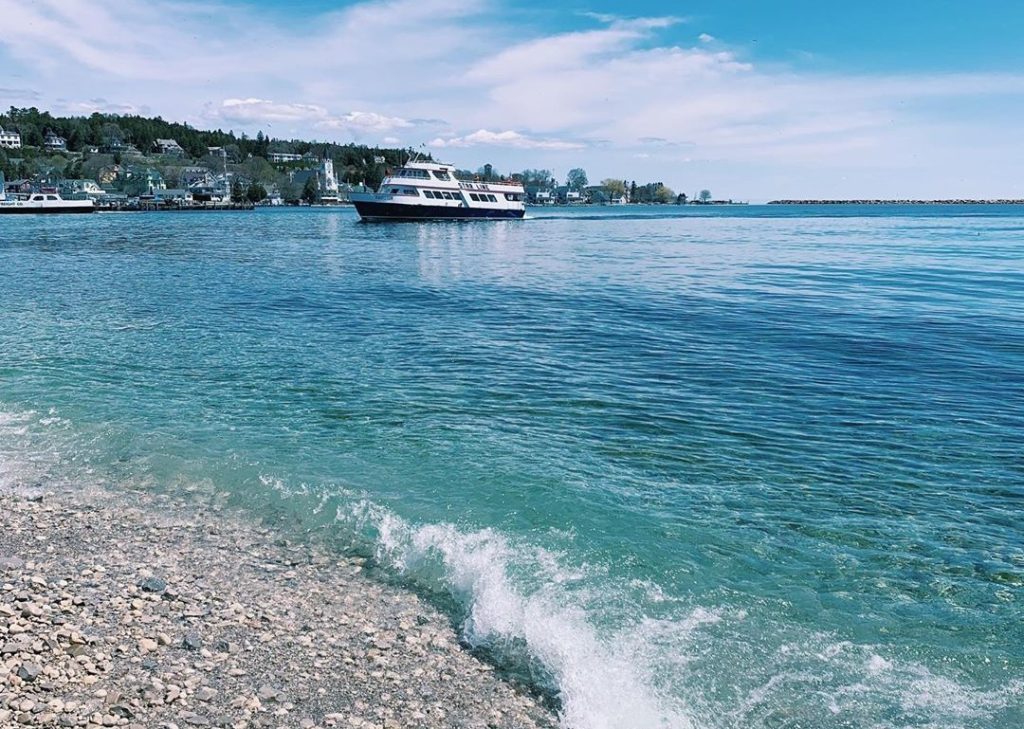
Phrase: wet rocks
(145,612)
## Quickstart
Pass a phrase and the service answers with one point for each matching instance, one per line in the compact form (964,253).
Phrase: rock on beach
(138,610)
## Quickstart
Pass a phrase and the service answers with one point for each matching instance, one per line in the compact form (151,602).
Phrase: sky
(751,99)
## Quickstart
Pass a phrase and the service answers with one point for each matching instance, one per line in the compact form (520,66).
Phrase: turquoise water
(720,469)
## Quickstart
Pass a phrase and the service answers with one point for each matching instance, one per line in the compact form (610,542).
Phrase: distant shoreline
(896,202)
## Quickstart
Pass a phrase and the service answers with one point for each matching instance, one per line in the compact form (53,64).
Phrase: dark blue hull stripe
(45,211)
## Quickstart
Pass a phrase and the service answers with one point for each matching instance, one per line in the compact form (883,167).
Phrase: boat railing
(487,186)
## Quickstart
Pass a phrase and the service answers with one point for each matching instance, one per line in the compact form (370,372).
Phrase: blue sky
(752,99)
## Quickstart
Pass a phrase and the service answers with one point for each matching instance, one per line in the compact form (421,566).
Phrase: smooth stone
(29,672)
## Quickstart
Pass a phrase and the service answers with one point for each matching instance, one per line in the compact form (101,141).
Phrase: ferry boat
(430,191)
(43,203)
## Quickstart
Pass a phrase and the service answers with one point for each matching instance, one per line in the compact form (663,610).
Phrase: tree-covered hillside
(353,162)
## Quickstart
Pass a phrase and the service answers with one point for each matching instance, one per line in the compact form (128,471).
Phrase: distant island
(135,162)
(897,202)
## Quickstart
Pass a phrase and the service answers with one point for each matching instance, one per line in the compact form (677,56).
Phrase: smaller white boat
(39,203)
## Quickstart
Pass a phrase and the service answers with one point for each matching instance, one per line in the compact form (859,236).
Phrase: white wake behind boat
(430,191)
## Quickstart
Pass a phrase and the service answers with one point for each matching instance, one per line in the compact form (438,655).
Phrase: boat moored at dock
(430,191)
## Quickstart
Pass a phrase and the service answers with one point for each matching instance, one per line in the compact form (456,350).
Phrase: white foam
(638,674)
(602,682)
(940,696)
(18,469)
(870,686)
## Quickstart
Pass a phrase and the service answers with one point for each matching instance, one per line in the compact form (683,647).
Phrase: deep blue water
(727,468)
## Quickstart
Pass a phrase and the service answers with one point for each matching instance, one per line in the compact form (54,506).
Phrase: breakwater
(999,201)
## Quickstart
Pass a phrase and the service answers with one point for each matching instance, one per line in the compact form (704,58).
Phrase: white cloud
(103,106)
(486,138)
(555,53)
(366,121)
(369,71)
(260,111)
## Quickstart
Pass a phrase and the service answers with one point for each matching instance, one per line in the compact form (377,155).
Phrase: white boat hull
(46,207)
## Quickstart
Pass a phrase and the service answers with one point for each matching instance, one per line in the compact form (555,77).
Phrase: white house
(283,157)
(9,140)
(172,195)
(55,143)
(80,189)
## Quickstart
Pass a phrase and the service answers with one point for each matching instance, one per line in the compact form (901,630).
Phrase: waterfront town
(132,162)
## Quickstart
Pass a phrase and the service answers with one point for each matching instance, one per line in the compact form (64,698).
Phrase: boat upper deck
(440,175)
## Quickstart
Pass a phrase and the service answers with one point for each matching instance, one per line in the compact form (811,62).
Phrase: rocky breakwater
(135,611)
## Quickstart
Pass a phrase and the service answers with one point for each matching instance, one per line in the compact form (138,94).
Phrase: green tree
(537,178)
(112,134)
(262,145)
(237,191)
(310,191)
(615,188)
(256,192)
(632,192)
(663,195)
(705,196)
(289,191)
(259,170)
(576,179)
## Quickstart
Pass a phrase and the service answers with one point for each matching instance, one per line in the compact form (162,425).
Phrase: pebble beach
(138,610)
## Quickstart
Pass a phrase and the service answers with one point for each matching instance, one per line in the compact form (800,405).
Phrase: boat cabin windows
(442,175)
(404,191)
(52,197)
(419,174)
(439,195)
(514,196)
(38,198)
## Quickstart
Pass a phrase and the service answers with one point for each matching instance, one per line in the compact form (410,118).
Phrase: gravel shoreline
(136,610)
